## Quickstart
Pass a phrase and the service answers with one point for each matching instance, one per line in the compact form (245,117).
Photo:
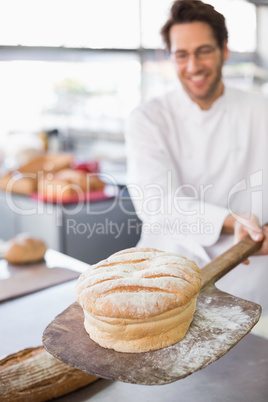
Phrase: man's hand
(244,225)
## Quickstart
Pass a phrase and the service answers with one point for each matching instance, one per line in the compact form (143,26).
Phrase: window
(70,23)
(241,23)
(81,66)
(109,23)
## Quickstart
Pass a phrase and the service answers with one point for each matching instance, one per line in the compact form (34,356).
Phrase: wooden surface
(32,278)
(49,377)
(18,280)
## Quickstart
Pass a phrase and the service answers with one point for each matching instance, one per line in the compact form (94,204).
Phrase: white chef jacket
(189,168)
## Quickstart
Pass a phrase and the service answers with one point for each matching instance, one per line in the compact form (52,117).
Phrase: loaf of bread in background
(24,249)
(68,183)
(85,181)
(57,190)
(139,299)
(34,375)
(25,179)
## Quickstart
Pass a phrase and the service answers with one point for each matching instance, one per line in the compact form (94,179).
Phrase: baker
(197,156)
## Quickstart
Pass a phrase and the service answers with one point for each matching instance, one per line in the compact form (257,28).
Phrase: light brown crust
(139,290)
(24,249)
(34,375)
(144,336)
(68,183)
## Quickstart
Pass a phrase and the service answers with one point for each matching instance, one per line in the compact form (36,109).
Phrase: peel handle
(224,263)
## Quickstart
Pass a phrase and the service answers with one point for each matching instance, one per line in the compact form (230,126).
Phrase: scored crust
(139,299)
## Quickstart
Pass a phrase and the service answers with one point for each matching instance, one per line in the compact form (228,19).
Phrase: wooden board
(220,322)
(17,280)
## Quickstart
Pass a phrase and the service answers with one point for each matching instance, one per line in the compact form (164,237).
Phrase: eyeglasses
(201,53)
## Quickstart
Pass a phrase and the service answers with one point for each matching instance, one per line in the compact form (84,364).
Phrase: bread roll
(68,183)
(73,176)
(139,299)
(25,179)
(24,249)
(85,181)
(57,189)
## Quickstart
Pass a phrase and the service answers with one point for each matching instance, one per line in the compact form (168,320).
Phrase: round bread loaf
(24,249)
(139,299)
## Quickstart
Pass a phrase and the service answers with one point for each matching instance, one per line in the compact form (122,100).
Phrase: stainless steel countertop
(240,375)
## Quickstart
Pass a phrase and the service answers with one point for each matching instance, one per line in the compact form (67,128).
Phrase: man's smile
(198,79)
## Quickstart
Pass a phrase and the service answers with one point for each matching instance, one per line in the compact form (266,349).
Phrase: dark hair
(185,11)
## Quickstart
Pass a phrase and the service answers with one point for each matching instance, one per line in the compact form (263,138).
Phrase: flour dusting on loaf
(139,299)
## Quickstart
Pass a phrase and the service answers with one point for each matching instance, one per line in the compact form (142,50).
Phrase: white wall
(262,35)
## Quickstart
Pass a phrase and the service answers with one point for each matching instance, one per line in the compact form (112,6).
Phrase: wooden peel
(220,322)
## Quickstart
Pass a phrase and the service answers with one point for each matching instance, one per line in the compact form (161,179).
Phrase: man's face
(198,61)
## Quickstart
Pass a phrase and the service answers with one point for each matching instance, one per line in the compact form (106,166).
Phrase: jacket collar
(188,109)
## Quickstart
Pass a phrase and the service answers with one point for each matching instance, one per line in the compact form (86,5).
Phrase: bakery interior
(68,81)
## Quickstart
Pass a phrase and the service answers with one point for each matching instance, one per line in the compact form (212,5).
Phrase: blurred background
(71,71)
